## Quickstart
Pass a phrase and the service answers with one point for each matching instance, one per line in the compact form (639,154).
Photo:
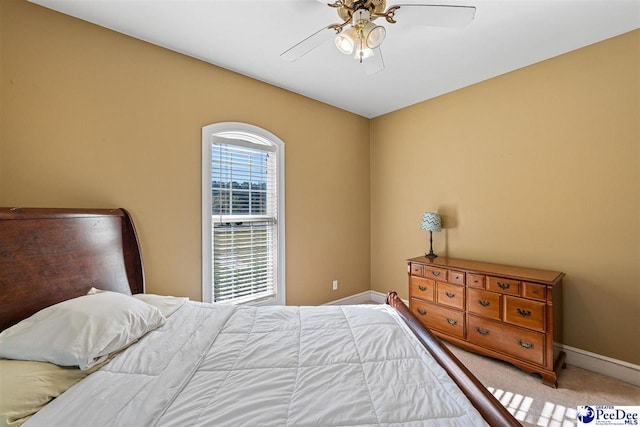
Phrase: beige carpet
(535,404)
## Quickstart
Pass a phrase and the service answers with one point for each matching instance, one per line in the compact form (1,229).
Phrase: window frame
(253,136)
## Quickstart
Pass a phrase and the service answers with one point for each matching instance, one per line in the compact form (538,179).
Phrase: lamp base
(431,255)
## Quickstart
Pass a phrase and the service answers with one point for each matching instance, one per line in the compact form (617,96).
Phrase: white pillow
(82,331)
(166,304)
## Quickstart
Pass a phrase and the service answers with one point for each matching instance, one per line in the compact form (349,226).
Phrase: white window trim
(255,135)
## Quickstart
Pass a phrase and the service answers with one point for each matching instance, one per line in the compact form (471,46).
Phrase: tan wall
(93,118)
(540,168)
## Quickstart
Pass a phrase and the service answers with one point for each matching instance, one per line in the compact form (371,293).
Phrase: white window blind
(244,218)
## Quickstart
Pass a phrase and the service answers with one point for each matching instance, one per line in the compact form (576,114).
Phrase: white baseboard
(378,297)
(614,368)
(363,298)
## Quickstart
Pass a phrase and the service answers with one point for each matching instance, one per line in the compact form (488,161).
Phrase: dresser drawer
(450,295)
(435,273)
(421,288)
(518,342)
(534,291)
(416,269)
(440,318)
(475,280)
(483,303)
(456,277)
(524,312)
(505,286)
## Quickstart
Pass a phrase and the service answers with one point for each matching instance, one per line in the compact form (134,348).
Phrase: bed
(192,363)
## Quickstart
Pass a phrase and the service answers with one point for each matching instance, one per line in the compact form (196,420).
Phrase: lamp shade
(431,222)
(346,41)
(373,35)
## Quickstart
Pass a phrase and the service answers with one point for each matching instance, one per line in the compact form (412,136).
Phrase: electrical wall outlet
(335,285)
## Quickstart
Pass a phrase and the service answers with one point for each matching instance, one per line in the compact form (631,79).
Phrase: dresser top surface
(522,273)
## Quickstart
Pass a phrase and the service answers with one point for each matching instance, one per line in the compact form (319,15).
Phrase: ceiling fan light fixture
(373,35)
(346,41)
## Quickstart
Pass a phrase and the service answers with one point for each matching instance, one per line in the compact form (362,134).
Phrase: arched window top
(244,132)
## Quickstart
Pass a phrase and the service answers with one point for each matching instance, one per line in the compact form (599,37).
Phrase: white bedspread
(219,365)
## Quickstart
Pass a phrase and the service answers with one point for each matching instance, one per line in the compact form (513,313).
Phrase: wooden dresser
(510,313)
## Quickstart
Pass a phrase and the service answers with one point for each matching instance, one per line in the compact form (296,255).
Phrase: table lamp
(431,222)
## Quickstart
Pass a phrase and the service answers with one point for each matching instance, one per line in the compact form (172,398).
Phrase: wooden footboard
(488,406)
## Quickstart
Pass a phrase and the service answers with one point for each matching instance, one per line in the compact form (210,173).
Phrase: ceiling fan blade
(375,63)
(307,45)
(434,15)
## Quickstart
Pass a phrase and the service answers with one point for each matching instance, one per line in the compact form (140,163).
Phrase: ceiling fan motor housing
(349,7)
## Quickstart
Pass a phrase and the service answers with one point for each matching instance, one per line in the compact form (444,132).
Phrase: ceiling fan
(363,37)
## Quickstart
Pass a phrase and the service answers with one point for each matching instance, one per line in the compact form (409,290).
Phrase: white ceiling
(420,62)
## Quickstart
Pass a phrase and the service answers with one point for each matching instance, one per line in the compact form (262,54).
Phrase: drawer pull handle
(422,288)
(451,321)
(435,273)
(482,331)
(504,286)
(525,344)
(523,313)
(450,294)
(484,303)
(422,312)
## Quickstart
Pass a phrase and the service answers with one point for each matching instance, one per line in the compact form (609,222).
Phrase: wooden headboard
(51,255)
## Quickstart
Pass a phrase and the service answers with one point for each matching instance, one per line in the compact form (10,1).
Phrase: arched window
(242,215)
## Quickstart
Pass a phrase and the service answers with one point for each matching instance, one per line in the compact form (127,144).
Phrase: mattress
(223,365)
